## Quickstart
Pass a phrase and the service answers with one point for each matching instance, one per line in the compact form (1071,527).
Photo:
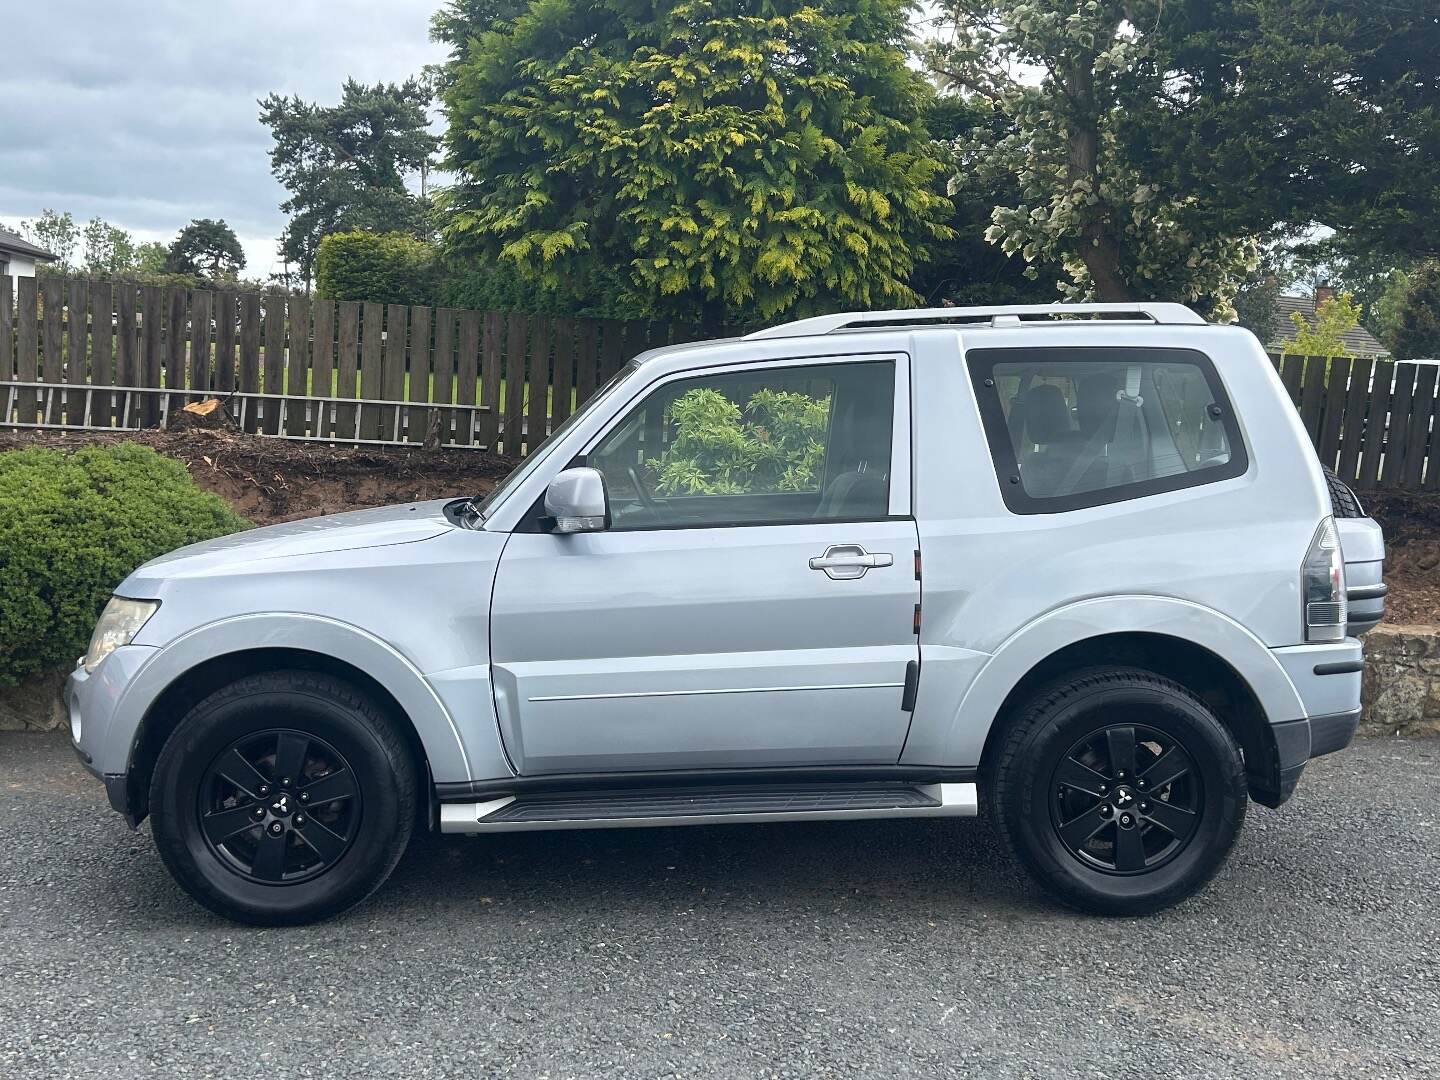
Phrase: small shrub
(717,448)
(390,268)
(72,526)
(501,288)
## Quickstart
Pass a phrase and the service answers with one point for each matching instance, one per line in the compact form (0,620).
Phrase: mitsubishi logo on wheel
(281,805)
(1122,796)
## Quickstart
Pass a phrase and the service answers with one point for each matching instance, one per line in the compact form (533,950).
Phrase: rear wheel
(283,798)
(1118,790)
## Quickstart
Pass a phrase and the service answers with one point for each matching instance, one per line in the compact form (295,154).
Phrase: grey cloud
(146,113)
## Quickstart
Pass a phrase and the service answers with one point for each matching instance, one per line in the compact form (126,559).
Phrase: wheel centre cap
(282,805)
(1124,800)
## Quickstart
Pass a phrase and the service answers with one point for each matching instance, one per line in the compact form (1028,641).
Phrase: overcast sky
(145,114)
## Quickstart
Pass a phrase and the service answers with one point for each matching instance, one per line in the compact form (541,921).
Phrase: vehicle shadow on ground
(801,866)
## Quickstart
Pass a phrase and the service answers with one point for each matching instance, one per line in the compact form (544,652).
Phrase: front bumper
(92,700)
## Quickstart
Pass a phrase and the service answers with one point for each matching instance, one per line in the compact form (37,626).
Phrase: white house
(18,257)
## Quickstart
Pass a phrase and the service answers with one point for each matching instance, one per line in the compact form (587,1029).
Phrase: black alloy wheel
(279,806)
(1127,798)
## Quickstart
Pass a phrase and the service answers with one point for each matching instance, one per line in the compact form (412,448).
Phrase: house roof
(1357,340)
(12,243)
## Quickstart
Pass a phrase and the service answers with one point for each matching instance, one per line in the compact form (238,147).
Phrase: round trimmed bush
(72,526)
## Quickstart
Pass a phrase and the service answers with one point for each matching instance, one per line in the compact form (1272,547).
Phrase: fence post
(297,367)
(1352,425)
(274,363)
(538,385)
(347,369)
(7,341)
(1422,403)
(322,365)
(444,368)
(176,331)
(201,303)
(250,360)
(52,297)
(102,351)
(1391,474)
(392,380)
(223,377)
(151,321)
(422,385)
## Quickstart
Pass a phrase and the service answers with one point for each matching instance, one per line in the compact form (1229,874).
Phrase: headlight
(119,623)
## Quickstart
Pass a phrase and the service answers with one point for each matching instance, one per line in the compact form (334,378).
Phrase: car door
(752,603)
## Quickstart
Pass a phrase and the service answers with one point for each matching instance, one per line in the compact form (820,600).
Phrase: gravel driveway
(871,949)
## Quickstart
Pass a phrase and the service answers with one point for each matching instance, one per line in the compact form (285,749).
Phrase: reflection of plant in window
(718,449)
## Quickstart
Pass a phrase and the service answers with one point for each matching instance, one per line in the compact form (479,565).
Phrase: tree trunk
(1100,246)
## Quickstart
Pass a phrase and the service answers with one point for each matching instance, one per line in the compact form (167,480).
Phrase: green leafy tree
(1388,307)
(968,269)
(150,257)
(1068,82)
(1324,335)
(735,161)
(108,249)
(207,247)
(345,166)
(1300,112)
(57,234)
(1417,332)
(390,268)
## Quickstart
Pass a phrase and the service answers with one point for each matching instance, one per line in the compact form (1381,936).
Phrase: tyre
(1118,790)
(283,798)
(1343,501)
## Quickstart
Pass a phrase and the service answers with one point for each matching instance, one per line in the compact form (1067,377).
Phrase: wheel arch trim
(960,738)
(433,724)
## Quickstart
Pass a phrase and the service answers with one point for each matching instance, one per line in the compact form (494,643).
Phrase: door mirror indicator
(576,501)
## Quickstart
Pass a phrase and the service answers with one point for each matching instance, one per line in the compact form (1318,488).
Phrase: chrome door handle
(844,562)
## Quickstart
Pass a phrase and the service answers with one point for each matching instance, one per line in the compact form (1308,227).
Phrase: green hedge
(72,526)
(391,268)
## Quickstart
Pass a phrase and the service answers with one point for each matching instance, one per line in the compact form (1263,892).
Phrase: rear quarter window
(1071,428)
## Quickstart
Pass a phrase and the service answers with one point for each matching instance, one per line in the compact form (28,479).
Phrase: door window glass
(769,446)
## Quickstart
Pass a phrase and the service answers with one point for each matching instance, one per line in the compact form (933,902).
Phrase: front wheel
(1118,790)
(283,798)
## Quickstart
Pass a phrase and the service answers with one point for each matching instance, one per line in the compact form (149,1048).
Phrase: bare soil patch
(270,480)
(1412,554)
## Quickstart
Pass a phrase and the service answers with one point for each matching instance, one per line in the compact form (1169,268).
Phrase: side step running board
(707,806)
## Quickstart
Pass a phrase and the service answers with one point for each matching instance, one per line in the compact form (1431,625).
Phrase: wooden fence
(77,353)
(1374,422)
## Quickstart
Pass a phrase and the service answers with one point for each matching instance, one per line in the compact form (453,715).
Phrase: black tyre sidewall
(1025,796)
(386,816)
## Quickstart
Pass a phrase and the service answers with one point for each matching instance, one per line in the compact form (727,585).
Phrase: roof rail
(1012,315)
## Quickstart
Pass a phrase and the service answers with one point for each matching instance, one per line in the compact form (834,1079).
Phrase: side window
(1071,428)
(775,445)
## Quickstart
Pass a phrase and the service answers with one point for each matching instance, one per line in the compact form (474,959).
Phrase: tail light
(1322,583)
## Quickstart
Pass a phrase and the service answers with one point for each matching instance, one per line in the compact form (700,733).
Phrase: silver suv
(1077,564)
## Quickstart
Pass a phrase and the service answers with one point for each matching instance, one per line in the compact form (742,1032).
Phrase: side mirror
(577,501)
